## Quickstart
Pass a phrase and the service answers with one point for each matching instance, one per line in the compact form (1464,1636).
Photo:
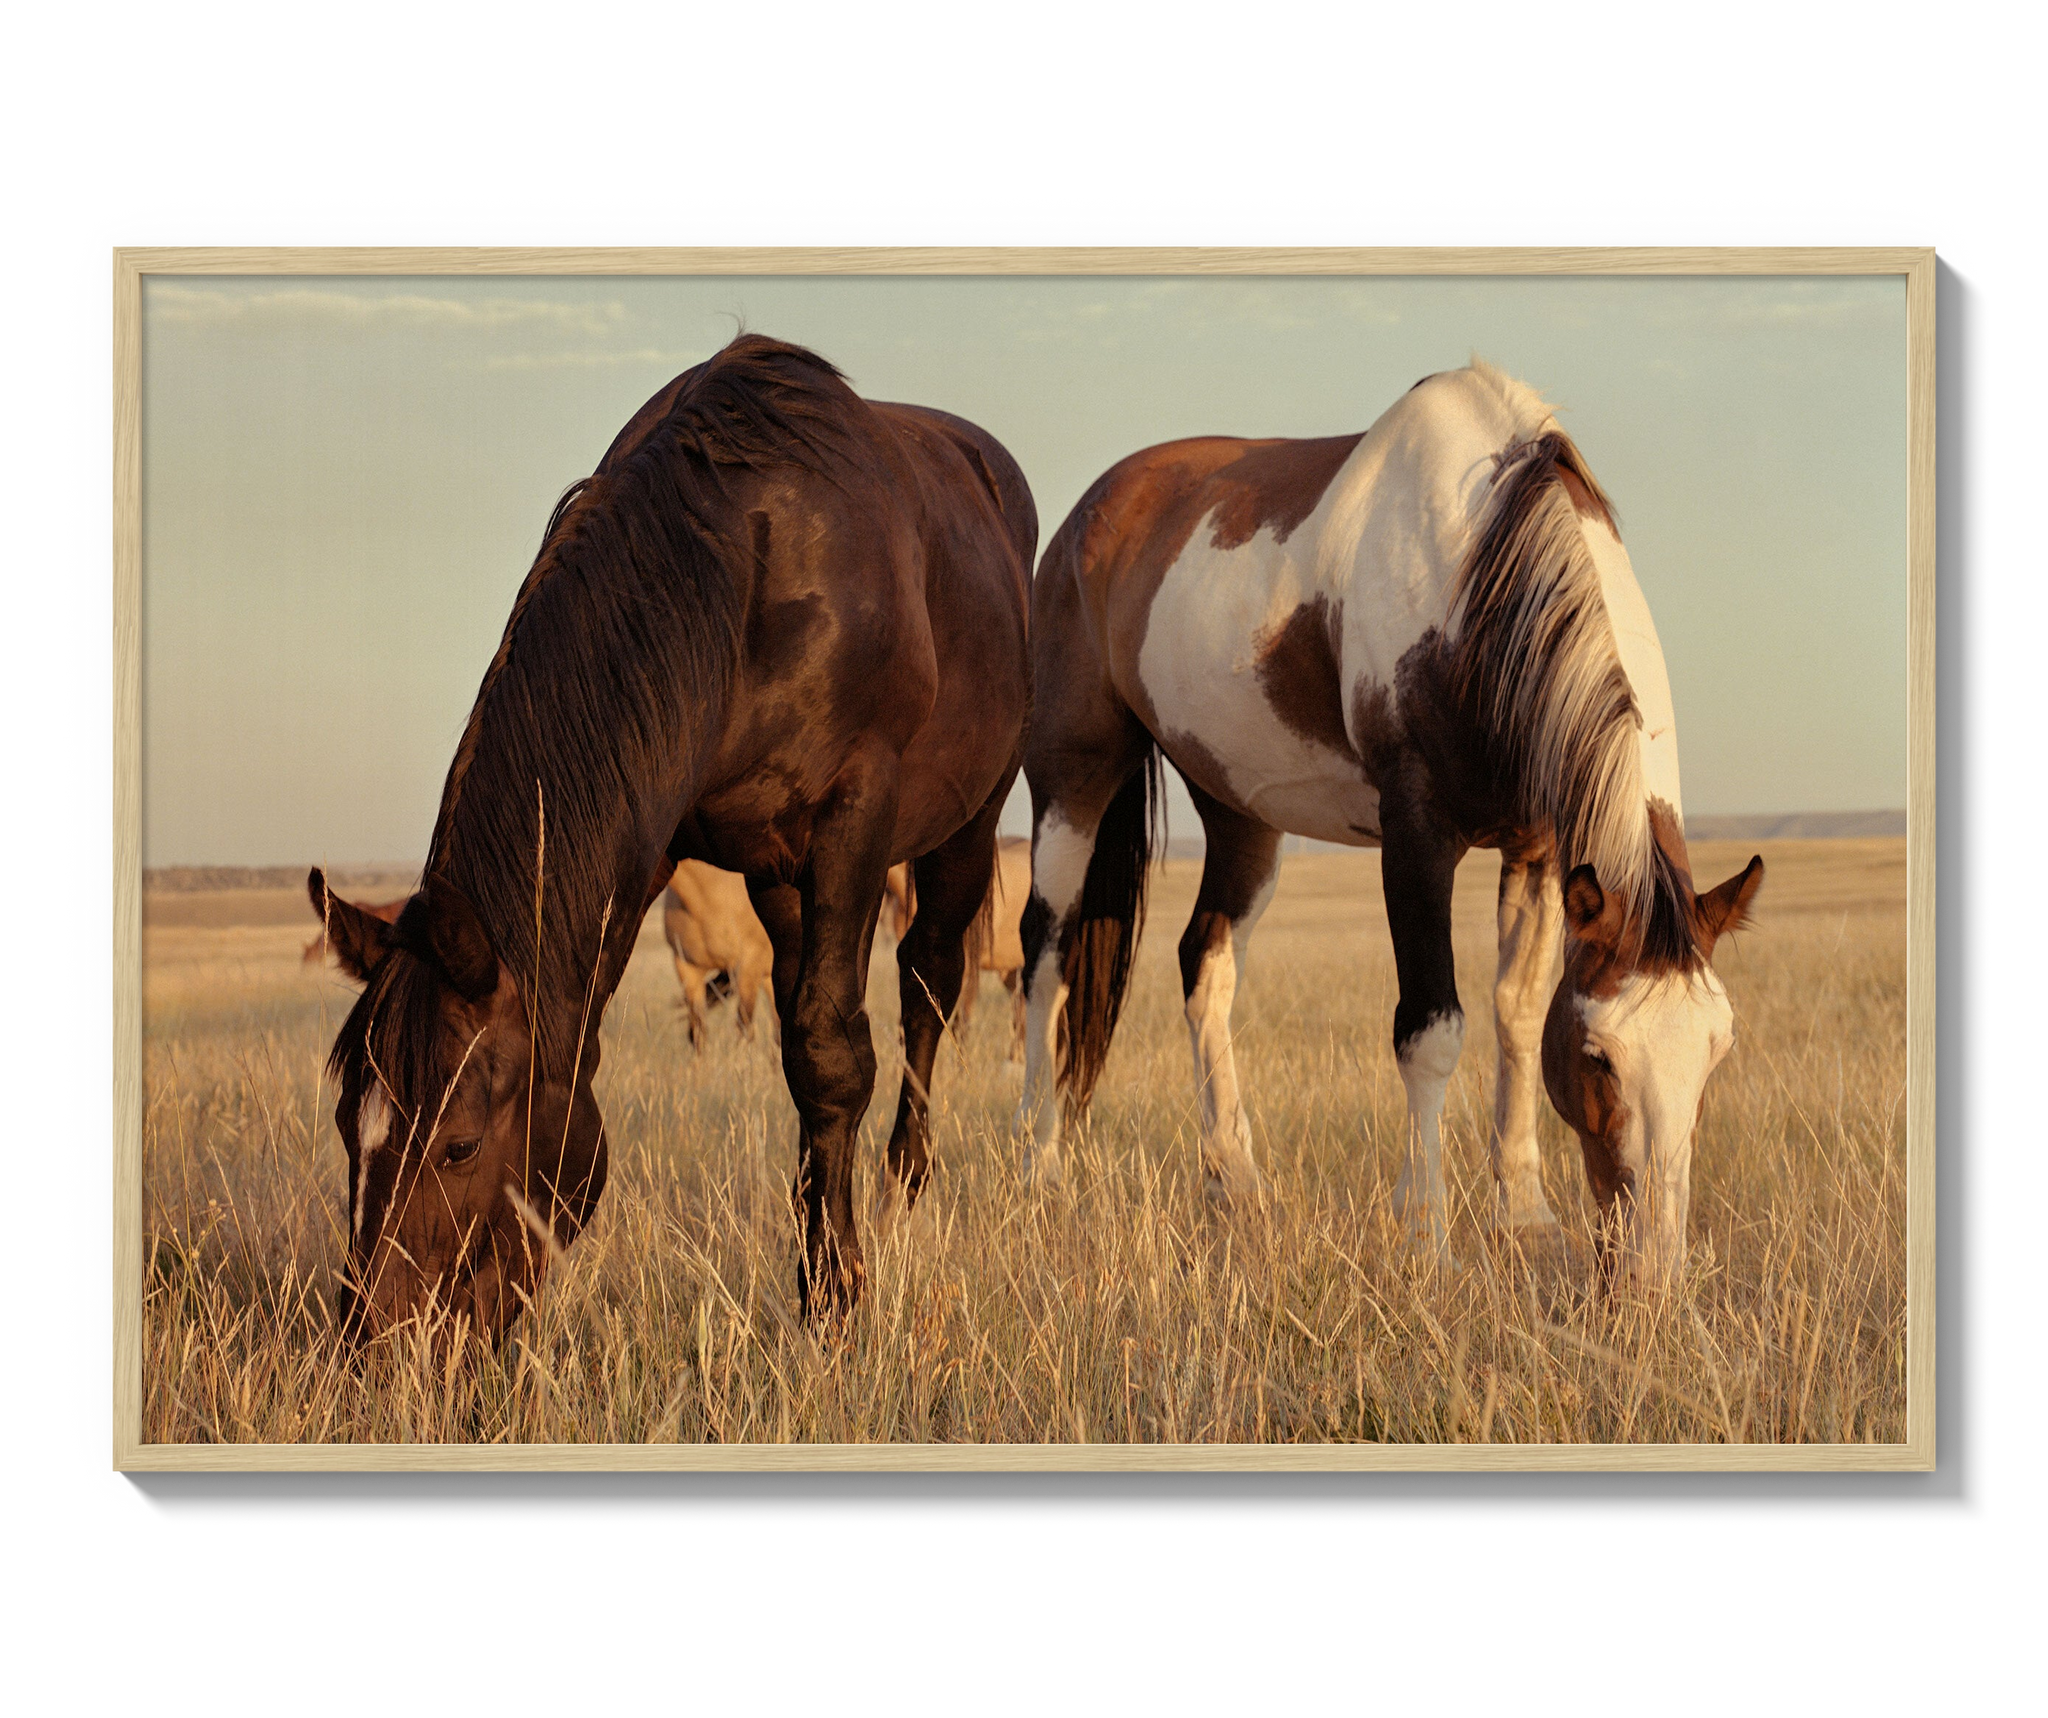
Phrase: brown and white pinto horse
(782,630)
(1424,638)
(712,930)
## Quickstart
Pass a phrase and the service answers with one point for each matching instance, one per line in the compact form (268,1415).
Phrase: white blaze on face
(1663,1036)
(373,1128)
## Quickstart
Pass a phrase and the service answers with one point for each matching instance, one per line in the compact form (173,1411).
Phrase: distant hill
(1795,825)
(394,879)
(194,879)
(1738,826)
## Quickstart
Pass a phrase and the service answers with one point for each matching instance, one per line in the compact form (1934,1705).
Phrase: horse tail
(1102,939)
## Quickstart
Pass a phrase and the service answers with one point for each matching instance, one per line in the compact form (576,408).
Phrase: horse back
(889,606)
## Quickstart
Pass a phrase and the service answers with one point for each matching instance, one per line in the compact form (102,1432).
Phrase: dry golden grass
(1120,1308)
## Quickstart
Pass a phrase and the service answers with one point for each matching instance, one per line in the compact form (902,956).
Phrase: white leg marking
(1038,1110)
(1059,862)
(1531,908)
(1426,1062)
(1226,1131)
(1059,867)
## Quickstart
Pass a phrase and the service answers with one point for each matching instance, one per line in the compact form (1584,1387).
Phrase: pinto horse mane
(607,686)
(1536,667)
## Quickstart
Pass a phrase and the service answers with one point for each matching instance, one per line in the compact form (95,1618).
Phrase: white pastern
(1663,1036)
(1531,913)
(373,1128)
(1037,1126)
(1226,1131)
(1427,1061)
(1059,869)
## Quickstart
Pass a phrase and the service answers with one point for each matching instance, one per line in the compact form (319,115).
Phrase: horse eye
(1598,1058)
(461,1151)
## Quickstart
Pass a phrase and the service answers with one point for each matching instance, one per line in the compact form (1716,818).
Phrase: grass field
(1119,1308)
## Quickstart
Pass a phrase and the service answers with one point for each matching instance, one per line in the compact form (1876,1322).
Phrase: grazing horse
(1424,638)
(996,942)
(713,931)
(388,911)
(781,630)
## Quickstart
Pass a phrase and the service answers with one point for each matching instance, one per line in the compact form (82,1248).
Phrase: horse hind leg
(970,993)
(1530,913)
(1090,848)
(933,966)
(1240,870)
(1013,982)
(821,930)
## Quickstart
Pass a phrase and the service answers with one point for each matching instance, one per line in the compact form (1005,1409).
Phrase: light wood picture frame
(125,1246)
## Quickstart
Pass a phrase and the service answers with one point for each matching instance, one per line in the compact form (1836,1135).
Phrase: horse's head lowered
(467,1159)
(1635,1028)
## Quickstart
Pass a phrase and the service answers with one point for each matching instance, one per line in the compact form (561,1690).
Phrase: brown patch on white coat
(1406,639)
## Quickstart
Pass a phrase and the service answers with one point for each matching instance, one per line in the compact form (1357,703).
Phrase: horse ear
(1725,908)
(1590,913)
(441,926)
(360,940)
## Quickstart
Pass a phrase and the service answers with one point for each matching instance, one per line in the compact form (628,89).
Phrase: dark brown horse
(781,630)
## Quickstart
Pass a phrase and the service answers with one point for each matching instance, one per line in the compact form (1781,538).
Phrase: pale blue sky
(345,480)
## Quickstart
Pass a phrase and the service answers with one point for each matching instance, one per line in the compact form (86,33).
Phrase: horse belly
(1244,691)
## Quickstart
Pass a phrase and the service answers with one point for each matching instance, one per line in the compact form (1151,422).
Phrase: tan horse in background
(713,931)
(999,929)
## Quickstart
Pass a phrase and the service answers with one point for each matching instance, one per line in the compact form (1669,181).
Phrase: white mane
(1541,662)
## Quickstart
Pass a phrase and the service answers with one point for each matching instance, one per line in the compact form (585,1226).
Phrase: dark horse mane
(604,693)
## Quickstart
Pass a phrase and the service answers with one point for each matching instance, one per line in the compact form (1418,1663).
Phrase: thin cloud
(1851,303)
(677,360)
(172,304)
(1255,305)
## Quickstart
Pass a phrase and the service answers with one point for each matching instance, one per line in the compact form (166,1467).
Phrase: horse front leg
(1531,912)
(1418,866)
(828,1047)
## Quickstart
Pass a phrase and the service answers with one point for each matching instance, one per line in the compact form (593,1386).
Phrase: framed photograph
(1024,859)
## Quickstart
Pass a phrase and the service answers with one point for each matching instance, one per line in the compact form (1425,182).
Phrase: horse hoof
(1233,1188)
(1531,1234)
(1425,1242)
(1041,1170)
